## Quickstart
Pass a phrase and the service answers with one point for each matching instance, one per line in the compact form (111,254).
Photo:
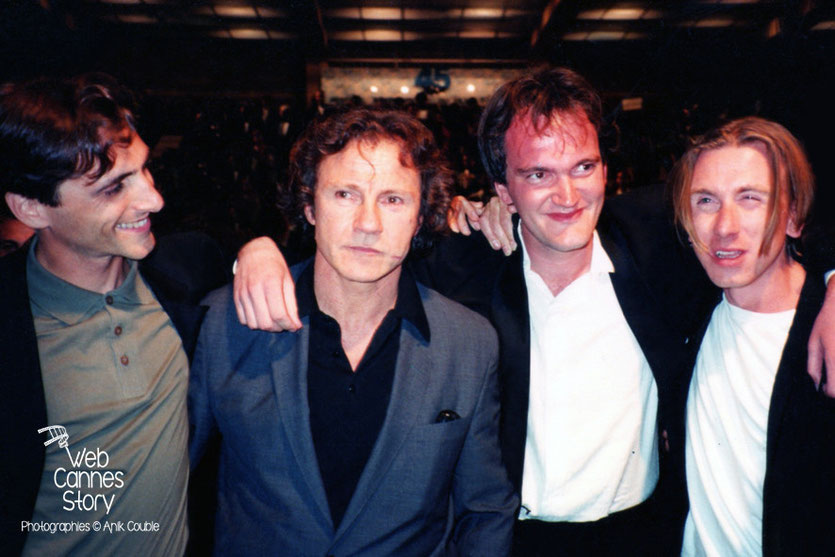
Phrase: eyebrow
(743,189)
(122,176)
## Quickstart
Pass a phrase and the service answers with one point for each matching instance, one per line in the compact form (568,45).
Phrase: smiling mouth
(727,254)
(133,225)
(563,217)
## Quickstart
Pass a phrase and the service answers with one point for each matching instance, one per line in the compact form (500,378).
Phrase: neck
(358,307)
(557,268)
(779,291)
(96,274)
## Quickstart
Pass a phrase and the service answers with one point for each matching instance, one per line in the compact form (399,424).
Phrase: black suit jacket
(663,293)
(180,271)
(799,487)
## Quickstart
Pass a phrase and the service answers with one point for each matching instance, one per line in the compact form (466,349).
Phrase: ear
(30,212)
(309,215)
(503,193)
(792,229)
(419,224)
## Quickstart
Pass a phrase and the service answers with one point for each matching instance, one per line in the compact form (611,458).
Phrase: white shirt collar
(600,261)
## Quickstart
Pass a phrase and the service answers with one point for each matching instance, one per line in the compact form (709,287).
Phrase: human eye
(704,202)
(114,189)
(752,198)
(584,168)
(394,200)
(535,176)
(342,194)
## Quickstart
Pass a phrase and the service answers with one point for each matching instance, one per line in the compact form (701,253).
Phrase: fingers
(293,321)
(263,290)
(821,358)
(497,226)
(463,215)
(814,363)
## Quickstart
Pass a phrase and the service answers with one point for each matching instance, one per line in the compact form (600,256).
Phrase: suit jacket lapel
(509,315)
(414,363)
(289,369)
(639,307)
(795,353)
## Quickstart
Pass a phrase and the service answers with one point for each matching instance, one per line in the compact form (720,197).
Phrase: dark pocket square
(447,416)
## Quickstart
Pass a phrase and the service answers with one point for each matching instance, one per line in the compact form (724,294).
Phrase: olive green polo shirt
(115,376)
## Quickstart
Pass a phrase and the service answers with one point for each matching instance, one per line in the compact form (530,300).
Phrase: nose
(564,193)
(368,218)
(727,221)
(148,198)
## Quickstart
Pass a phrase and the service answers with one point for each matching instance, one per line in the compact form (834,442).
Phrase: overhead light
(712,22)
(382,35)
(603,36)
(824,26)
(374,89)
(381,13)
(470,88)
(235,11)
(404,89)
(482,13)
(606,36)
(475,34)
(619,14)
(135,18)
(248,34)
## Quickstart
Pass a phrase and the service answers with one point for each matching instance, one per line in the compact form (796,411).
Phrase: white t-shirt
(727,422)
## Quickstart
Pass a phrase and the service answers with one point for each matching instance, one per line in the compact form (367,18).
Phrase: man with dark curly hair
(372,429)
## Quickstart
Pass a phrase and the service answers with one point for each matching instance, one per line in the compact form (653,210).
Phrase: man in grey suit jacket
(373,429)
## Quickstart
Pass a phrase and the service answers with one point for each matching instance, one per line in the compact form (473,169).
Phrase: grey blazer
(427,489)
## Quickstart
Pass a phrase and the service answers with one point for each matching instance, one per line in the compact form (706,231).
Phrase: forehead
(733,167)
(128,154)
(563,134)
(367,161)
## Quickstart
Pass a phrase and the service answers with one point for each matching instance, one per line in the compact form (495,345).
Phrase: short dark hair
(52,130)
(418,150)
(540,94)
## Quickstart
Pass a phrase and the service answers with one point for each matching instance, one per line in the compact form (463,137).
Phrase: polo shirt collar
(71,304)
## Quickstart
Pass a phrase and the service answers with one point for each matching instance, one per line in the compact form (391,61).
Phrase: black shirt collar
(408,305)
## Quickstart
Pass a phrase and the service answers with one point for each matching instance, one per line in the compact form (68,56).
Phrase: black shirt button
(351,388)
(108,299)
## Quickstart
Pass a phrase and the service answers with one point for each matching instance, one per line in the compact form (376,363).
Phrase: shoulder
(452,323)
(13,274)
(465,268)
(185,266)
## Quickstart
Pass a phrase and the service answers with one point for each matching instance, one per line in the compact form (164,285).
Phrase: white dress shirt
(592,442)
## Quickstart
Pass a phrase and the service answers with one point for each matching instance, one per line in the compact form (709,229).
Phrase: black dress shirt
(347,408)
